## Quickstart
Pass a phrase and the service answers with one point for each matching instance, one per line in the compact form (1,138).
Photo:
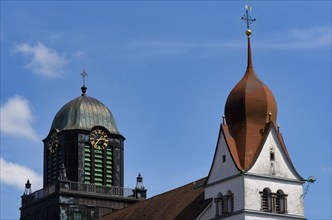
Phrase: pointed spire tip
(249,65)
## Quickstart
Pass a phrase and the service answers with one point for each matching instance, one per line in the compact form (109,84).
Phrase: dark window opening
(224,204)
(281,202)
(272,157)
(273,202)
(266,200)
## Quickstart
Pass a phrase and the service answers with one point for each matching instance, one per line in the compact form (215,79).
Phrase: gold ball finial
(248,32)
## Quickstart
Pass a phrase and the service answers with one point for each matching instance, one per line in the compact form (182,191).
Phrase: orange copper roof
(249,107)
(233,150)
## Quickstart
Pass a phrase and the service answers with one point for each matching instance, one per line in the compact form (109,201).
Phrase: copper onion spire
(249,108)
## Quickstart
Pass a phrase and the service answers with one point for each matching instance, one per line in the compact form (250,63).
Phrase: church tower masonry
(252,175)
(83,166)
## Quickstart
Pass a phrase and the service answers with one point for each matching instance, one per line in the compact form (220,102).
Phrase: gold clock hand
(97,141)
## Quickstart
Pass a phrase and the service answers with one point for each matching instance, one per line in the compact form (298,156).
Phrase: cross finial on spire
(84,74)
(83,88)
(248,19)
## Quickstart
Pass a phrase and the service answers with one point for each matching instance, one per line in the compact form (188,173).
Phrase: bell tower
(84,138)
(252,175)
(83,165)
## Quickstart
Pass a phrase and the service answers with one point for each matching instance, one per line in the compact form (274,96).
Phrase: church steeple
(251,158)
(249,108)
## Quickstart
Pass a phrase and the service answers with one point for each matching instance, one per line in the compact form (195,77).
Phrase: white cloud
(17,175)
(326,169)
(79,55)
(305,38)
(299,39)
(42,60)
(56,37)
(16,118)
(148,48)
(313,37)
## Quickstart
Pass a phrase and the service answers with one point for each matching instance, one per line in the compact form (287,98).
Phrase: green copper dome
(84,113)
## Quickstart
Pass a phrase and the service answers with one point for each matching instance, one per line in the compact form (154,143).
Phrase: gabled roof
(268,128)
(231,145)
(185,202)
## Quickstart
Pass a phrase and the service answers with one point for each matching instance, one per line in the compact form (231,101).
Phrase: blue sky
(165,70)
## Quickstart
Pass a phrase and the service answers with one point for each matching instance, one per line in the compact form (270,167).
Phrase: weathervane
(311,179)
(248,19)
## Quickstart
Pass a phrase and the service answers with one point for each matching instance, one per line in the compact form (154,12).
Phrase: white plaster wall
(253,185)
(235,185)
(233,217)
(219,169)
(281,165)
(206,214)
(253,216)
(250,216)
(246,187)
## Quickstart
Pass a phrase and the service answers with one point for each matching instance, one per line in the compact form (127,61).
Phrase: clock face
(53,142)
(99,139)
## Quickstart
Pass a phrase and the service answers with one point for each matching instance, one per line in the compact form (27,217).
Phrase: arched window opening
(227,203)
(281,202)
(273,202)
(224,205)
(218,205)
(230,198)
(266,200)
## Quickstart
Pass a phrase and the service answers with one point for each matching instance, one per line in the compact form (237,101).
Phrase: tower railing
(92,188)
(76,187)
